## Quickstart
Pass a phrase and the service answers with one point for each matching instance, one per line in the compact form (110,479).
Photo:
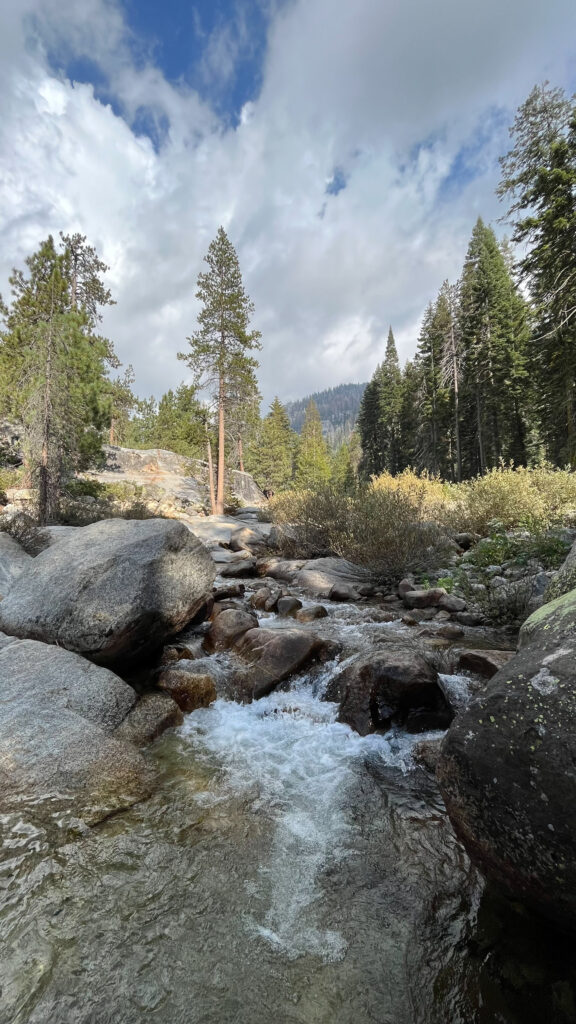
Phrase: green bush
(548,550)
(383,530)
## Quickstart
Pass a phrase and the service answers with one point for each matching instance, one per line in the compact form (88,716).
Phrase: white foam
(290,749)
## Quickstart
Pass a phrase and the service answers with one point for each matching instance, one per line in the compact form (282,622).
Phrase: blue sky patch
(337,182)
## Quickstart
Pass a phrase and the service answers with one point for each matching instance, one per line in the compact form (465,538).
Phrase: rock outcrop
(58,714)
(111,591)
(507,768)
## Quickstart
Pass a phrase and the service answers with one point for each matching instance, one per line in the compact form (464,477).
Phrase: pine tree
(313,467)
(539,177)
(218,349)
(369,428)
(53,374)
(271,456)
(494,338)
(390,398)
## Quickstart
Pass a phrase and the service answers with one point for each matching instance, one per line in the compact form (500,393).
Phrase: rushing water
(286,870)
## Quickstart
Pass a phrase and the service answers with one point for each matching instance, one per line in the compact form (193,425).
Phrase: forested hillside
(338,408)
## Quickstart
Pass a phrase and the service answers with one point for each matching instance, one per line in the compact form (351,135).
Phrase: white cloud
(357,86)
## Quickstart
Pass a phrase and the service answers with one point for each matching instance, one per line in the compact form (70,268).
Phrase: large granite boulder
(13,561)
(58,713)
(113,590)
(392,686)
(507,767)
(228,626)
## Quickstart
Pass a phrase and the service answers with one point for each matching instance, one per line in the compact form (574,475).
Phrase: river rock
(311,613)
(58,713)
(451,603)
(188,687)
(260,597)
(273,656)
(288,605)
(321,577)
(507,768)
(13,561)
(485,663)
(112,591)
(152,715)
(239,568)
(227,627)
(427,753)
(424,598)
(376,690)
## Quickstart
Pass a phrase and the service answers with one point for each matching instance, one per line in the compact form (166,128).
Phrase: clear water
(286,870)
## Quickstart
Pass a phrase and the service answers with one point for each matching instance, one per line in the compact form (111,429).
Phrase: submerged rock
(58,713)
(111,591)
(376,690)
(507,768)
(152,715)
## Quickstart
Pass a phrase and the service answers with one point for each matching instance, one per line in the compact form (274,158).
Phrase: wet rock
(189,651)
(58,713)
(442,616)
(484,663)
(288,605)
(409,620)
(507,768)
(273,656)
(239,568)
(113,590)
(232,590)
(427,753)
(280,568)
(376,690)
(260,597)
(188,687)
(272,602)
(343,592)
(424,598)
(13,561)
(227,627)
(311,613)
(153,714)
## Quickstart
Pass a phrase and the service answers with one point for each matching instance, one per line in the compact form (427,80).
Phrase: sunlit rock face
(507,767)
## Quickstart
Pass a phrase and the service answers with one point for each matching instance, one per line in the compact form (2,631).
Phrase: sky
(346,146)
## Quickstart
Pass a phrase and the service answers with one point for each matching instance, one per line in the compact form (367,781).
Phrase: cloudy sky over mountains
(347,146)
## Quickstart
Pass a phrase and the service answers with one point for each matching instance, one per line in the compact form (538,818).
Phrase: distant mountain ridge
(338,408)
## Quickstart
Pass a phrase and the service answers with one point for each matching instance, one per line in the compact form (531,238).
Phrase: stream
(286,870)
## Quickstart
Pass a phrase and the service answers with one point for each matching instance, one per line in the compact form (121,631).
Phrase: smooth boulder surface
(378,689)
(484,662)
(273,656)
(13,561)
(152,715)
(228,626)
(507,770)
(58,714)
(111,591)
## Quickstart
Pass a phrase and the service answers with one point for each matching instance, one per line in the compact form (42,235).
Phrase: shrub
(547,549)
(505,605)
(534,499)
(384,529)
(24,529)
(9,477)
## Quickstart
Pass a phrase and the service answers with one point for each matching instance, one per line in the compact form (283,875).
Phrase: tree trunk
(456,407)
(44,469)
(240,455)
(221,451)
(112,429)
(481,459)
(211,475)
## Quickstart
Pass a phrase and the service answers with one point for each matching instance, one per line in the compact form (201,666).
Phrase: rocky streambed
(281,864)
